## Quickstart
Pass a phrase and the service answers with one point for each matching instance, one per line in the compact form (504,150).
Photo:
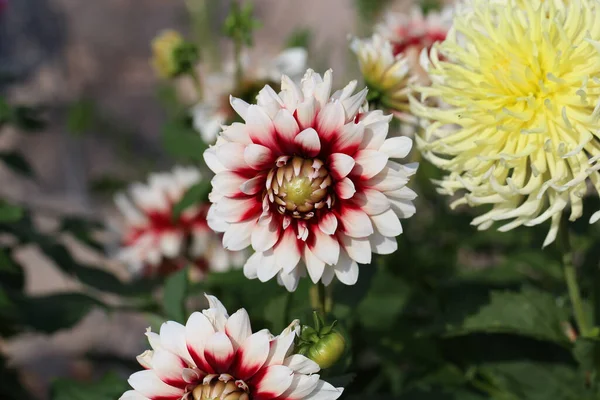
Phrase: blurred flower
(153,242)
(172,55)
(523,89)
(308,181)
(215,111)
(217,357)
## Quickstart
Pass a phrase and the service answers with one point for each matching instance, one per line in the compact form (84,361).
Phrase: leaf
(110,387)
(299,38)
(17,163)
(10,385)
(49,314)
(182,141)
(529,312)
(10,213)
(81,115)
(196,194)
(587,353)
(174,295)
(11,272)
(82,230)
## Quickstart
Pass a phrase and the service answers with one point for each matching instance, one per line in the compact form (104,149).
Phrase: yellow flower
(522,131)
(164,47)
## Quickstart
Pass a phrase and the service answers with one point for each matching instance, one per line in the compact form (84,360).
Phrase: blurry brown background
(97,51)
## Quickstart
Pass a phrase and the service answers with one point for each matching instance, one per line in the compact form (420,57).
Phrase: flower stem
(321,298)
(571,281)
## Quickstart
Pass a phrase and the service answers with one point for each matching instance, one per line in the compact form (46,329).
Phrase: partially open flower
(214,111)
(308,181)
(217,357)
(523,89)
(155,242)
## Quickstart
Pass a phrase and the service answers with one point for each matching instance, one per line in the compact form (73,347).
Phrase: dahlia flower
(215,111)
(308,181)
(217,357)
(154,243)
(523,89)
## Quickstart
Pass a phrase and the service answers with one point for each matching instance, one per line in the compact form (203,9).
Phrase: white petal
(219,352)
(132,395)
(314,265)
(168,367)
(372,201)
(237,236)
(340,165)
(239,209)
(236,132)
(149,384)
(212,161)
(369,163)
(252,355)
(387,223)
(251,266)
(260,127)
(345,189)
(215,222)
(323,246)
(198,330)
(352,104)
(309,142)
(383,245)
(328,223)
(170,243)
(331,118)
(359,249)
(258,157)
(325,391)
(397,147)
(287,251)
(286,125)
(268,268)
(227,183)
(355,222)
(238,327)
(404,208)
(346,269)
(280,347)
(349,139)
(276,379)
(265,236)
(231,156)
(216,304)
(302,385)
(328,275)
(239,106)
(301,364)
(289,279)
(172,338)
(306,113)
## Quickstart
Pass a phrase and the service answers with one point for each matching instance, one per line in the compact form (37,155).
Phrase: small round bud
(172,56)
(322,344)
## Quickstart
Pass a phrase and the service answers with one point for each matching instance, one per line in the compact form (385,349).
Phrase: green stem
(315,300)
(197,84)
(239,68)
(571,281)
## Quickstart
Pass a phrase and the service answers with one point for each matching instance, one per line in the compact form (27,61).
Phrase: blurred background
(86,64)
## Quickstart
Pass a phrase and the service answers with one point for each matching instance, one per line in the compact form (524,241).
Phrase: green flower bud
(172,56)
(322,344)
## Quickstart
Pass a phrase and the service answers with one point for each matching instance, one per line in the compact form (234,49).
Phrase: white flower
(153,243)
(214,111)
(308,181)
(217,357)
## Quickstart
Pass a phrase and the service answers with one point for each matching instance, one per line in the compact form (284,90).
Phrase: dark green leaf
(587,353)
(10,213)
(183,142)
(81,116)
(17,163)
(299,38)
(10,385)
(196,194)
(11,272)
(49,314)
(110,387)
(174,295)
(82,230)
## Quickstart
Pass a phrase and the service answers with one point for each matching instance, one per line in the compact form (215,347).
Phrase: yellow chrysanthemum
(164,58)
(522,81)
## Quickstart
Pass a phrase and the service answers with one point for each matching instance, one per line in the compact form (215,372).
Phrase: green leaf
(17,163)
(49,314)
(529,312)
(10,213)
(110,387)
(174,295)
(11,272)
(82,230)
(299,38)
(196,194)
(587,353)
(182,142)
(81,116)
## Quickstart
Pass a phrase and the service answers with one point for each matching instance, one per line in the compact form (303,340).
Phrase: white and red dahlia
(153,242)
(308,181)
(217,357)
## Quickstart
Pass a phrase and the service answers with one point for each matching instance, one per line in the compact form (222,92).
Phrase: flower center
(299,186)
(220,389)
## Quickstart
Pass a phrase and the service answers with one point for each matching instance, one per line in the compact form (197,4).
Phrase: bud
(172,56)
(322,344)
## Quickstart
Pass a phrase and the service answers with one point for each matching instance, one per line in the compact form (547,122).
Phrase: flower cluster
(308,181)
(154,241)
(217,357)
(523,91)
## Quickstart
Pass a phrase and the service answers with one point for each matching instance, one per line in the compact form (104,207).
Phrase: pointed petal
(397,147)
(308,142)
(359,249)
(355,222)
(330,119)
(252,355)
(387,223)
(287,251)
(345,189)
(273,381)
(346,270)
(149,384)
(198,330)
(219,352)
(328,223)
(314,265)
(324,246)
(301,364)
(238,328)
(369,163)
(340,165)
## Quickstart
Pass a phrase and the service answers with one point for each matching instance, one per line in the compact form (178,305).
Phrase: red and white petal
(369,163)
(346,269)
(268,99)
(397,147)
(272,382)
(265,235)
(352,104)
(252,355)
(387,223)
(236,132)
(340,165)
(149,384)
(306,113)
(345,189)
(308,142)
(301,364)
(302,386)
(287,251)
(238,209)
(330,119)
(328,223)
(372,201)
(238,328)
(169,367)
(286,126)
(314,265)
(355,222)
(358,249)
(171,243)
(259,157)
(198,330)
(228,183)
(325,391)
(260,127)
(280,347)
(219,352)
(231,156)
(349,139)
(324,246)
(382,245)
(253,186)
(172,338)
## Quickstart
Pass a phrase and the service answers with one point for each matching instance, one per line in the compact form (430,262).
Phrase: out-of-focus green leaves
(81,116)
(110,387)
(27,119)
(299,38)
(182,142)
(240,23)
(11,272)
(10,385)
(9,213)
(17,163)
(52,313)
(175,294)
(196,194)
(587,353)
